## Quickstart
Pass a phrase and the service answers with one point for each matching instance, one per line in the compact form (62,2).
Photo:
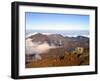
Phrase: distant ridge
(59,40)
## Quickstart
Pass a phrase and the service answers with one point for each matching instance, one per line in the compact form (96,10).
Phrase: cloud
(36,48)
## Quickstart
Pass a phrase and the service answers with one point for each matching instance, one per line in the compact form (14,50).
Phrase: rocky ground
(59,57)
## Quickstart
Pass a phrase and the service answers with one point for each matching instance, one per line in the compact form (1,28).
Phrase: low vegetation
(55,58)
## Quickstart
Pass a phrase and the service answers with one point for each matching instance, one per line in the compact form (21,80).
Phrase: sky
(51,21)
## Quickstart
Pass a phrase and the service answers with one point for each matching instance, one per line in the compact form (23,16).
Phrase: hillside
(59,51)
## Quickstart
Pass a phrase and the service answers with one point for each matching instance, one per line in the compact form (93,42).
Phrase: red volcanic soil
(59,57)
